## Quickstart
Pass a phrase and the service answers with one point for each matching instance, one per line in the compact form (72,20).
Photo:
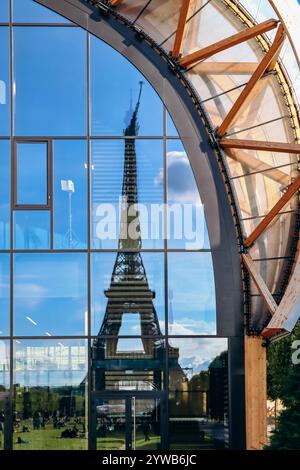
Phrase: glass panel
(4,294)
(110,423)
(4,390)
(171,129)
(192,300)
(114,93)
(50,294)
(127,171)
(70,194)
(186,220)
(137,280)
(126,364)
(4,82)
(32,230)
(146,424)
(50,395)
(198,401)
(28,11)
(5,195)
(4,11)
(32,173)
(57,106)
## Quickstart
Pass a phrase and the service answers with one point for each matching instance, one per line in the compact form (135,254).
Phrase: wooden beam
(224,68)
(115,3)
(224,44)
(259,145)
(294,187)
(260,283)
(288,312)
(180,27)
(259,72)
(256,393)
(257,165)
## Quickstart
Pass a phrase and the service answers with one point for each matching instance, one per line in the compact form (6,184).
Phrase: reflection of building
(129,294)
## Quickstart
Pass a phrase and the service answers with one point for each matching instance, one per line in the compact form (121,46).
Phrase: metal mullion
(50,169)
(263,216)
(11,274)
(49,25)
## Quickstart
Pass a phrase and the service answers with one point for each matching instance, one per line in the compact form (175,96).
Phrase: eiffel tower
(129,293)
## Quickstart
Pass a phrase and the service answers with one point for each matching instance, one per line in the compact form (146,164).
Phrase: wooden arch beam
(258,145)
(228,42)
(180,27)
(115,3)
(294,187)
(259,72)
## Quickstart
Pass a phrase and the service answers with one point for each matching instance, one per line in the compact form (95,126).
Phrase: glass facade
(102,323)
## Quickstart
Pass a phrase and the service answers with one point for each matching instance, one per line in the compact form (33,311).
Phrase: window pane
(50,394)
(4,195)
(4,294)
(127,170)
(29,11)
(114,93)
(4,81)
(32,230)
(138,283)
(50,294)
(187,226)
(127,364)
(32,173)
(198,400)
(70,194)
(192,303)
(4,11)
(4,388)
(50,95)
(171,129)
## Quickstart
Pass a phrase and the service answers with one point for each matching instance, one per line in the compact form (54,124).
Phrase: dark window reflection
(4,389)
(198,399)
(50,395)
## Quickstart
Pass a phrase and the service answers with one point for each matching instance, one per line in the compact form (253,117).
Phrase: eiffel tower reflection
(129,294)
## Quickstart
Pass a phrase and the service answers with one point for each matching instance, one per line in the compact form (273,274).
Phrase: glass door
(126,422)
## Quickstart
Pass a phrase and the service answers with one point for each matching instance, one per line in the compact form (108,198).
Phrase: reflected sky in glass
(4,11)
(196,354)
(28,11)
(53,87)
(4,294)
(50,363)
(114,92)
(50,294)
(107,177)
(190,232)
(70,207)
(4,194)
(171,129)
(32,230)
(4,363)
(101,269)
(32,173)
(4,81)
(192,303)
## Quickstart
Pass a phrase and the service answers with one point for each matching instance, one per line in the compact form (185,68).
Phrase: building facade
(125,304)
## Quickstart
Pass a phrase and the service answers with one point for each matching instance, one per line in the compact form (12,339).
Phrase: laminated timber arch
(219,144)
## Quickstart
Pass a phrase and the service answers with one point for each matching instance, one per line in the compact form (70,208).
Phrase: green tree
(284,383)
